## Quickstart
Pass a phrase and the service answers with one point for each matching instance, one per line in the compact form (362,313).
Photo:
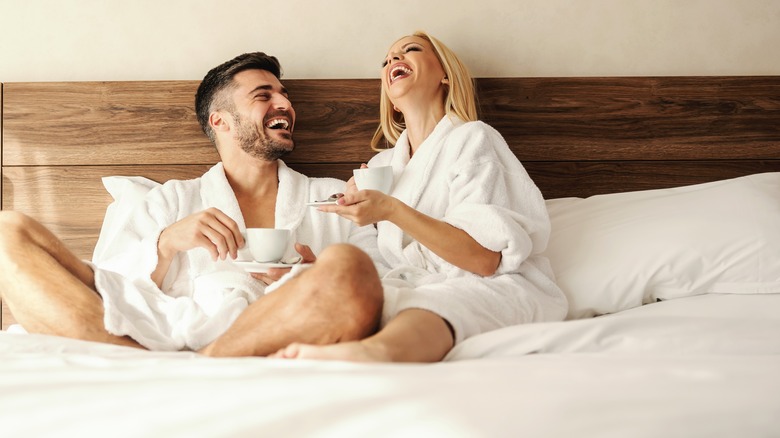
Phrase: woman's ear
(445,80)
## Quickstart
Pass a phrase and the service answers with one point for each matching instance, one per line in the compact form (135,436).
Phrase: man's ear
(218,121)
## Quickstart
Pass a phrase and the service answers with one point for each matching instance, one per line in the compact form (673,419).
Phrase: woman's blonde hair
(460,99)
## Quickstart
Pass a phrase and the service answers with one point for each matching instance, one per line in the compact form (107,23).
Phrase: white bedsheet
(706,366)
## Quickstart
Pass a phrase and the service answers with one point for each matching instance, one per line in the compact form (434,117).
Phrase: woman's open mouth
(399,71)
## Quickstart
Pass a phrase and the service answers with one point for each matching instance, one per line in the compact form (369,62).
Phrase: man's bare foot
(358,351)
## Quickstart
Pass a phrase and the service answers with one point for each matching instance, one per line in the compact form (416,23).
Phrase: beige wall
(59,40)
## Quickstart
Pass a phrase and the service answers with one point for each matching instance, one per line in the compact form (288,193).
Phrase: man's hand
(210,229)
(274,274)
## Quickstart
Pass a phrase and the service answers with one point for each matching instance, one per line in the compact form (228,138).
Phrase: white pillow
(127,192)
(618,251)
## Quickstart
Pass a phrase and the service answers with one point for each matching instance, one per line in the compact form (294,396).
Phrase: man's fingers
(226,226)
(221,241)
(307,255)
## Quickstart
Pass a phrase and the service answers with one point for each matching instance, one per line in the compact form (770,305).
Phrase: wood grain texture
(664,118)
(542,119)
(110,123)
(558,179)
(71,200)
(102,123)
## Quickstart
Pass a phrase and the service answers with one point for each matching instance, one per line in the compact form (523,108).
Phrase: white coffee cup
(267,244)
(374,178)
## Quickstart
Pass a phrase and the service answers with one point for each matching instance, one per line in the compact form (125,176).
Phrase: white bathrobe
(200,298)
(466,175)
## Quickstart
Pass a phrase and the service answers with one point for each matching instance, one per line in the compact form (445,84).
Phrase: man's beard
(252,140)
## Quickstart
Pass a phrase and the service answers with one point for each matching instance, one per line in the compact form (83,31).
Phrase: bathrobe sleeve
(492,198)
(365,238)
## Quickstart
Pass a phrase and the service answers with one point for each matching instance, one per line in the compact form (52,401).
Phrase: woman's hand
(363,207)
(351,185)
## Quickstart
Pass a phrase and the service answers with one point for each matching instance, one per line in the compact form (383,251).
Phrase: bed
(664,195)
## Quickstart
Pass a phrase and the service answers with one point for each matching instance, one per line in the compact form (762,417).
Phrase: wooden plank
(570,119)
(72,123)
(151,122)
(335,119)
(635,118)
(71,200)
(587,178)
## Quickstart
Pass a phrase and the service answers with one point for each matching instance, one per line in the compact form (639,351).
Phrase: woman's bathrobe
(466,175)
(200,298)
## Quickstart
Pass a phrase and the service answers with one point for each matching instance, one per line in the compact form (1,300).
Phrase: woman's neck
(420,122)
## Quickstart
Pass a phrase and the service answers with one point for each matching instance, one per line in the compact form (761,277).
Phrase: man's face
(263,117)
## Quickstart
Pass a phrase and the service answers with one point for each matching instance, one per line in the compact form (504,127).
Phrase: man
(162,277)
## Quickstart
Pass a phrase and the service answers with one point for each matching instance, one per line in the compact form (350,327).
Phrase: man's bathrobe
(200,298)
(466,175)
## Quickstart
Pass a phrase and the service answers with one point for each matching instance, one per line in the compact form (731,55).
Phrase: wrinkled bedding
(699,366)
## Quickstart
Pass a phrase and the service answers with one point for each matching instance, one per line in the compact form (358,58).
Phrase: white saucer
(318,203)
(261,267)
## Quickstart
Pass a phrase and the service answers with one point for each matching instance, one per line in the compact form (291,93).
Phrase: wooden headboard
(576,136)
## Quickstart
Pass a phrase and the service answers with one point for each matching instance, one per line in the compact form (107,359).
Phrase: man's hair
(210,96)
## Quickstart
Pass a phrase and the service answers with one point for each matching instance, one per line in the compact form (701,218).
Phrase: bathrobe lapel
(411,175)
(290,206)
(291,203)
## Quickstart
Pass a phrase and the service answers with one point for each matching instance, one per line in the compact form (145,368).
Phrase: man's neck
(253,178)
(255,184)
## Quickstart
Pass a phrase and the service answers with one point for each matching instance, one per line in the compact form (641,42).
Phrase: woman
(463,227)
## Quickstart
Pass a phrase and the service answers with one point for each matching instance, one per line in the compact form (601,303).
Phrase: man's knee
(352,272)
(346,259)
(342,251)
(14,229)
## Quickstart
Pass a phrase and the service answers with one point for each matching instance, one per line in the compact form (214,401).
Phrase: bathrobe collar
(411,177)
(290,199)
(416,169)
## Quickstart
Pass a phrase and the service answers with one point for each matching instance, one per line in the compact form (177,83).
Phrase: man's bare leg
(414,335)
(338,299)
(48,289)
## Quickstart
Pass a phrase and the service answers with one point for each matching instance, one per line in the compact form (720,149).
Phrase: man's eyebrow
(261,88)
(267,87)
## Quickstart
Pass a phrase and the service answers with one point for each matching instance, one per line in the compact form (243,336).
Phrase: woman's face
(412,68)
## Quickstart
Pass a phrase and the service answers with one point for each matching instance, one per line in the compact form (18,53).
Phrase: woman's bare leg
(47,288)
(338,299)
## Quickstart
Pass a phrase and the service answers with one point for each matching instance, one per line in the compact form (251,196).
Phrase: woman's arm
(450,243)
